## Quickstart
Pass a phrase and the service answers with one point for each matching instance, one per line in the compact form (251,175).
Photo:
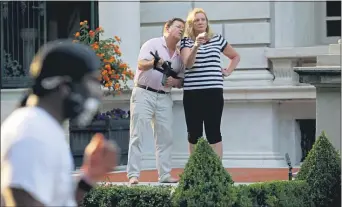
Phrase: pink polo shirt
(152,78)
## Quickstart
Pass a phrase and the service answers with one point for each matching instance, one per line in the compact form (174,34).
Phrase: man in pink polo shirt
(151,101)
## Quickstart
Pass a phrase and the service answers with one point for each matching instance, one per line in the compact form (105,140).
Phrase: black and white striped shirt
(206,71)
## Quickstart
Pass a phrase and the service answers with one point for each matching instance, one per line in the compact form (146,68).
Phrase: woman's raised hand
(201,39)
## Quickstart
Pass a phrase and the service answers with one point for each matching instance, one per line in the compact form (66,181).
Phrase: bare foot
(133,180)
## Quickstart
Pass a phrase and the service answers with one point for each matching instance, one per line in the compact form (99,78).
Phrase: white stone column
(122,19)
(294,24)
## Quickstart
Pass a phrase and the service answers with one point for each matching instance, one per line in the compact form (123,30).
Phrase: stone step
(329,60)
(335,49)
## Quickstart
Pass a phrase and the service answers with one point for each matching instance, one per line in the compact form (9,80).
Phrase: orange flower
(95,46)
(100,55)
(117,38)
(112,68)
(108,67)
(123,65)
(111,60)
(99,29)
(117,86)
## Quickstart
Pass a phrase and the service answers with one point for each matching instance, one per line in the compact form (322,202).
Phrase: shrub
(124,196)
(322,171)
(270,194)
(243,196)
(279,194)
(204,181)
(114,72)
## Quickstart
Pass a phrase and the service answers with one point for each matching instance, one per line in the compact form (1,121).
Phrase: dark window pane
(333,8)
(334,28)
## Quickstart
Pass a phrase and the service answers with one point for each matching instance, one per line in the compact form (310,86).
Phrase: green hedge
(271,194)
(274,194)
(124,196)
(206,183)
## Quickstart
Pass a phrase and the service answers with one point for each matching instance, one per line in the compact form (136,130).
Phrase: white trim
(296,52)
(241,93)
(332,18)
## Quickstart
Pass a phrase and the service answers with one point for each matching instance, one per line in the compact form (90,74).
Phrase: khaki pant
(148,108)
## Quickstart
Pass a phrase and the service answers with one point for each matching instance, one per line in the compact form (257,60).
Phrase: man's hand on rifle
(160,63)
(171,82)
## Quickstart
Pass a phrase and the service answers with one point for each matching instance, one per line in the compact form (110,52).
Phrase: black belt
(151,89)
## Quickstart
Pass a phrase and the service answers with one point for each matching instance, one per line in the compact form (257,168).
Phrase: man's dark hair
(170,22)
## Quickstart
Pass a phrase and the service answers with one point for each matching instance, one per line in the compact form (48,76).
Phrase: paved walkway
(239,175)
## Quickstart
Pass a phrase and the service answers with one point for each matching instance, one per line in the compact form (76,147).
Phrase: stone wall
(246,26)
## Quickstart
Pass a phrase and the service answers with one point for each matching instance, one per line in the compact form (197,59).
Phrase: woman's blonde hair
(189,25)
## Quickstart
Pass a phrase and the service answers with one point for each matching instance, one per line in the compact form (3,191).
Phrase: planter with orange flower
(114,76)
(114,71)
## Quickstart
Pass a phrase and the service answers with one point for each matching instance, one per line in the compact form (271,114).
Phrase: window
(26,25)
(333,18)
(308,135)
(331,15)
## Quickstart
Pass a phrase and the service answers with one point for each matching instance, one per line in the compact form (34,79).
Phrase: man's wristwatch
(83,185)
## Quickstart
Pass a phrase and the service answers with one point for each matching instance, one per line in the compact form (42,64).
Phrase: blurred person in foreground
(152,102)
(36,163)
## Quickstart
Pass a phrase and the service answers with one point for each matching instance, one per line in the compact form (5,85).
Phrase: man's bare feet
(133,180)
(169,180)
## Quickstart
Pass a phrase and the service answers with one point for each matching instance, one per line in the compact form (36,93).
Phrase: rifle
(167,69)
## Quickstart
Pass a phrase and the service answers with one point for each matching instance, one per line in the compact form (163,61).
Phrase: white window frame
(322,29)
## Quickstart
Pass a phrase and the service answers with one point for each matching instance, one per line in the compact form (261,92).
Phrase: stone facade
(263,97)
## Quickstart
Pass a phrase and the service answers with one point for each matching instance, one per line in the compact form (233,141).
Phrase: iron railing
(23,31)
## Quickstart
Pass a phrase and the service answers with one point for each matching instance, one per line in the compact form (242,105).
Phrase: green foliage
(243,197)
(124,196)
(321,169)
(204,182)
(270,194)
(280,194)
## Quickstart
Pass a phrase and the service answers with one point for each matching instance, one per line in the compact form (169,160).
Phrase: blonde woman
(203,82)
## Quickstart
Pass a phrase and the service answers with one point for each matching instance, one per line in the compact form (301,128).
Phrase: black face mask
(79,105)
